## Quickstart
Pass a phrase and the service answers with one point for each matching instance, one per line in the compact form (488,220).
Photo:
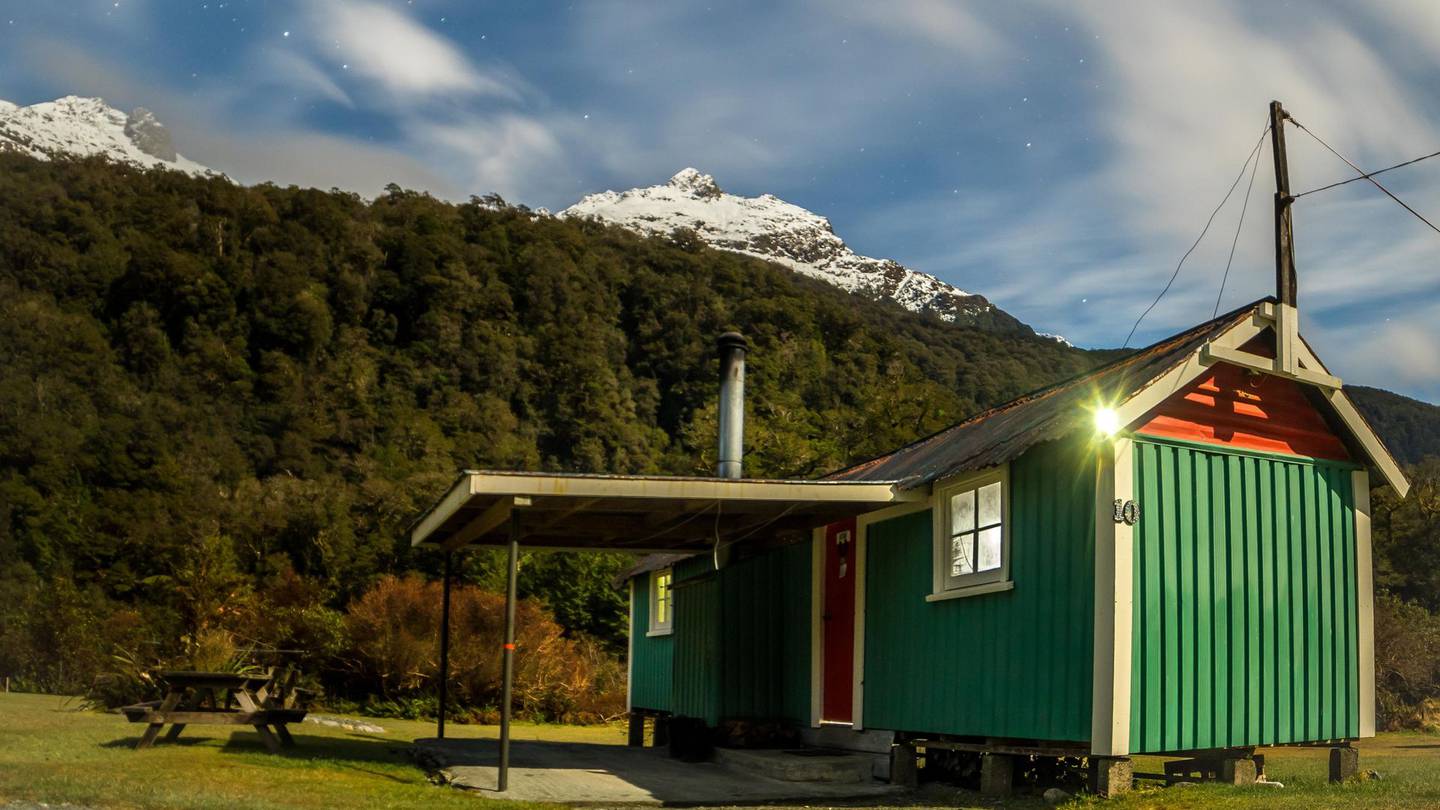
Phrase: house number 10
(1127,512)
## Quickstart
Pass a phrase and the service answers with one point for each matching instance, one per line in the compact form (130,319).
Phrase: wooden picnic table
(222,698)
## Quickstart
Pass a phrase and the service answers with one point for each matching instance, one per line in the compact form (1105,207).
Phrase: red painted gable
(1234,407)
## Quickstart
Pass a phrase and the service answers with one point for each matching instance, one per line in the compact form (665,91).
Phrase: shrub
(394,629)
(1407,663)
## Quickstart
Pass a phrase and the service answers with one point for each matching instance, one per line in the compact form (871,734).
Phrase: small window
(662,602)
(971,541)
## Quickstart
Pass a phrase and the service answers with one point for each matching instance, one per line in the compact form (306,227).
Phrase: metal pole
(444,645)
(731,413)
(508,670)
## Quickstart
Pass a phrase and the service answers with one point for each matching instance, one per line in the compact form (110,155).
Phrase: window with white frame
(972,543)
(662,602)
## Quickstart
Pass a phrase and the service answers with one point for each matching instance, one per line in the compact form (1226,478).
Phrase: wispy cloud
(952,27)
(505,153)
(398,53)
(296,73)
(1057,157)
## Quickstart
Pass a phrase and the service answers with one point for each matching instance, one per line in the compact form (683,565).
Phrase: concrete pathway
(588,773)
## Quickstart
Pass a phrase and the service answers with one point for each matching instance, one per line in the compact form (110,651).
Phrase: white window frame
(944,586)
(659,628)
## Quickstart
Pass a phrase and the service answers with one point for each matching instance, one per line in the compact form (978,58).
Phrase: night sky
(1057,157)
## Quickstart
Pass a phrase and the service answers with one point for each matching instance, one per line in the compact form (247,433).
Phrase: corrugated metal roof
(646,564)
(1002,433)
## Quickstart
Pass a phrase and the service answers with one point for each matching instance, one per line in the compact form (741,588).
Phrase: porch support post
(444,645)
(508,670)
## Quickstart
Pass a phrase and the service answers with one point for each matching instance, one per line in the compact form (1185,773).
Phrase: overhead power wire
(1364,176)
(1238,224)
(1254,154)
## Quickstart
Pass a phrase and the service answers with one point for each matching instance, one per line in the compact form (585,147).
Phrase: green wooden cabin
(1170,554)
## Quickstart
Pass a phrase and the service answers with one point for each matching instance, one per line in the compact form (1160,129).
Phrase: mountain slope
(770,228)
(86,127)
(1410,427)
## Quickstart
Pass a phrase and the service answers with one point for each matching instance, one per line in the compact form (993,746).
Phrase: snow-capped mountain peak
(75,125)
(695,183)
(769,228)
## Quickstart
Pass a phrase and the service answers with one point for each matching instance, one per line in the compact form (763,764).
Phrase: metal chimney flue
(732,347)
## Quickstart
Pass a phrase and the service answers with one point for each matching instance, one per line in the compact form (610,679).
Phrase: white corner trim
(973,590)
(1364,601)
(630,654)
(857,693)
(1114,601)
(817,634)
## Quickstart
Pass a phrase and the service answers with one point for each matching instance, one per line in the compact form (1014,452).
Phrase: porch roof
(638,513)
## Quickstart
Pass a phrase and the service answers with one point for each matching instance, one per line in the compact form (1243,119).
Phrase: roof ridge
(1062,385)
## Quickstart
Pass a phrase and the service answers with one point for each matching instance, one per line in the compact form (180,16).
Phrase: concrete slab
(589,773)
(804,765)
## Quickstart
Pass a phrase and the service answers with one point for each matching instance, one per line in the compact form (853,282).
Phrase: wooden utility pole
(1283,316)
(1287,319)
(1284,226)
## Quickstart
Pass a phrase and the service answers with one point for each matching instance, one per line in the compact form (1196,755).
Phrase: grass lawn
(51,752)
(1408,764)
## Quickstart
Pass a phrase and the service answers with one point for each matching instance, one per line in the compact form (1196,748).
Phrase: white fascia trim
(1180,376)
(1114,602)
(529,485)
(1364,600)
(1175,380)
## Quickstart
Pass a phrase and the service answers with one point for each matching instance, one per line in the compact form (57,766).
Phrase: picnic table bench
(222,698)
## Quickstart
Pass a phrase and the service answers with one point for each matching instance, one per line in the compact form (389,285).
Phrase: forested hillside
(271,383)
(1411,428)
(222,406)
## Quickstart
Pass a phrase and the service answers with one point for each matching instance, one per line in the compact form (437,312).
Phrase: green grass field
(52,752)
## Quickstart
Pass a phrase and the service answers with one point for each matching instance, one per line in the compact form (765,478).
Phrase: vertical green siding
(696,677)
(765,637)
(650,656)
(742,638)
(794,615)
(1013,664)
(1245,626)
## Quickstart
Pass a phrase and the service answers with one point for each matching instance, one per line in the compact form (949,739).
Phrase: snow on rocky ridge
(769,228)
(88,126)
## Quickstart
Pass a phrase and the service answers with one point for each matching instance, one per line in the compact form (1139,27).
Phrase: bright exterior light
(1107,421)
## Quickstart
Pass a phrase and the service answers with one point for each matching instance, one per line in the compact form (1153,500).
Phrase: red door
(838,622)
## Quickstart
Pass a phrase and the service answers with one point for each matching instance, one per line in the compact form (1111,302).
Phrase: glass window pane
(990,549)
(962,512)
(989,510)
(662,599)
(962,555)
